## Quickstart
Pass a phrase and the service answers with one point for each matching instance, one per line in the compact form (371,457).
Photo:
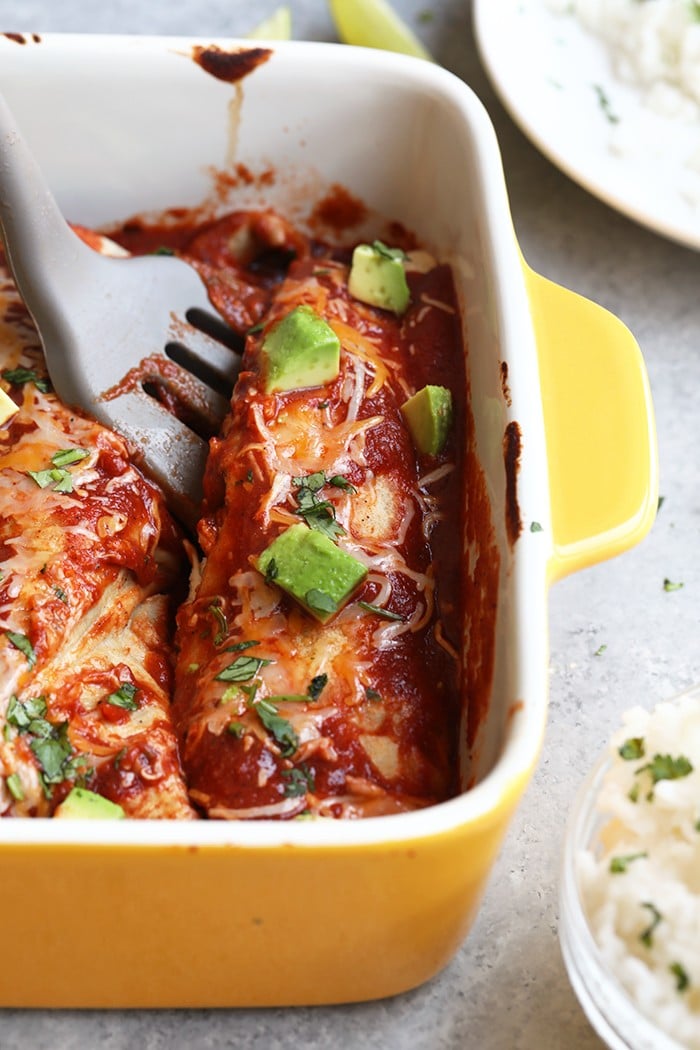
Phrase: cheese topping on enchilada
(87,553)
(287,701)
(318,662)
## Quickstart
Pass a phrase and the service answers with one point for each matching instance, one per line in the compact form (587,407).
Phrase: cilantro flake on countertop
(669,585)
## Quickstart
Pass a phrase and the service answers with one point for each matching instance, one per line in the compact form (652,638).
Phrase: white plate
(558,84)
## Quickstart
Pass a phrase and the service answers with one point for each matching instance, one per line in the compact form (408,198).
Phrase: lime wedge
(277,27)
(374,23)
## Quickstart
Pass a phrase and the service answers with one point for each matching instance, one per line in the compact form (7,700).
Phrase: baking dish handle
(599,428)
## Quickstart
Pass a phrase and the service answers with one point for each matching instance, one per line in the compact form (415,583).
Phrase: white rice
(646,917)
(653,44)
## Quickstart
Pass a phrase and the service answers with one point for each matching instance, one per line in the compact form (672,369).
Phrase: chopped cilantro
(619,865)
(239,646)
(14,786)
(236,729)
(535,526)
(163,250)
(60,594)
(633,794)
(288,698)
(316,686)
(249,475)
(665,767)
(23,713)
(372,694)
(271,572)
(279,728)
(669,585)
(124,697)
(299,781)
(604,103)
(318,513)
(388,253)
(632,748)
(20,376)
(64,457)
(386,614)
(681,975)
(218,614)
(242,669)
(647,934)
(320,601)
(60,479)
(338,481)
(21,642)
(600,650)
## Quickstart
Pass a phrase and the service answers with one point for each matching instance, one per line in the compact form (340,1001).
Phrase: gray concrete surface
(507,988)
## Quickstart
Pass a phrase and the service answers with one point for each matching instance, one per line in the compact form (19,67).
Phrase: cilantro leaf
(242,669)
(299,781)
(386,614)
(239,646)
(64,457)
(21,642)
(680,972)
(320,601)
(20,376)
(124,697)
(280,729)
(14,786)
(57,476)
(388,253)
(316,686)
(21,713)
(647,935)
(218,614)
(619,865)
(665,767)
(632,748)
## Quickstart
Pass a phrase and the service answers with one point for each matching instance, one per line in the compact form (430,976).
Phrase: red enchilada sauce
(279,715)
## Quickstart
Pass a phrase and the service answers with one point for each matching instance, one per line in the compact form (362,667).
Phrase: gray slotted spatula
(100,317)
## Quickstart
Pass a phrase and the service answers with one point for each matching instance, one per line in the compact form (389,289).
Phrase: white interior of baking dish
(124,126)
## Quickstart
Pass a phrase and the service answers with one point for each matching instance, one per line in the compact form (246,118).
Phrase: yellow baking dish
(211,913)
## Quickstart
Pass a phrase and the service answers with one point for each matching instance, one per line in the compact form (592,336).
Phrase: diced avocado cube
(301,351)
(429,417)
(312,569)
(377,277)
(81,804)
